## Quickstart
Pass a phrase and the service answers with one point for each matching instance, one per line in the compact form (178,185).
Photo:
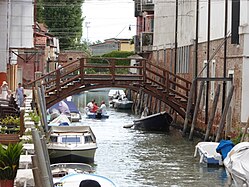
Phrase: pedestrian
(4,90)
(20,95)
(89,183)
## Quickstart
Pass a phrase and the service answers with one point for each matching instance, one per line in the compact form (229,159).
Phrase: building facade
(112,44)
(193,39)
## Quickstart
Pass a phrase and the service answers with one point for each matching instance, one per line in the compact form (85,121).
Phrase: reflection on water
(134,158)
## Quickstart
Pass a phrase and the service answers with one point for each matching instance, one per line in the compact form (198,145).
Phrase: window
(182,65)
(70,139)
(53,138)
(88,139)
(213,74)
(204,75)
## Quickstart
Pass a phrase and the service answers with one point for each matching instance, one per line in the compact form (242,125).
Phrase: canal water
(133,158)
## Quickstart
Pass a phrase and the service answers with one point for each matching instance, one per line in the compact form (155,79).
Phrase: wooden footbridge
(90,73)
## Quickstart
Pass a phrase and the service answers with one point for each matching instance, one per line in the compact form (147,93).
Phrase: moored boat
(208,154)
(61,120)
(71,144)
(237,164)
(73,113)
(123,104)
(155,122)
(71,174)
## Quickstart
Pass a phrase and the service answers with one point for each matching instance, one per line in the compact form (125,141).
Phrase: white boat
(71,174)
(237,164)
(122,104)
(71,144)
(73,112)
(61,120)
(115,93)
(208,154)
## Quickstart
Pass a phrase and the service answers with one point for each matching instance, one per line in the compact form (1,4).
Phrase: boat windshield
(88,139)
(70,139)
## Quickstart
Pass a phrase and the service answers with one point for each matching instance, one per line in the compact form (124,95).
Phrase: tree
(64,20)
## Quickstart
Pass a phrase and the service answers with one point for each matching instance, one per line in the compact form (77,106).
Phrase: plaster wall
(21,24)
(3,36)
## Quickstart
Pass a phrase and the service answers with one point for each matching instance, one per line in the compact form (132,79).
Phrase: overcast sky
(106,19)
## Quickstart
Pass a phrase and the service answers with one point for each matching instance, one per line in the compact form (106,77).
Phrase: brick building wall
(234,65)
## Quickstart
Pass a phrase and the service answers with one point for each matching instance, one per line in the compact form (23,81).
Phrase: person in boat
(94,108)
(89,183)
(90,104)
(102,108)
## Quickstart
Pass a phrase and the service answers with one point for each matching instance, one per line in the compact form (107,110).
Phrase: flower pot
(6,183)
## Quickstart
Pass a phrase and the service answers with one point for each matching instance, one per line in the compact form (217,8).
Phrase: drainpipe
(225,57)
(196,45)
(208,51)
(176,30)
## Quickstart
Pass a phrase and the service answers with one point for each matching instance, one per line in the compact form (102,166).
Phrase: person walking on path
(20,94)
(4,91)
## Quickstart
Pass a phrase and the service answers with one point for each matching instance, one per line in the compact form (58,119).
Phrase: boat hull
(156,122)
(123,104)
(97,115)
(64,155)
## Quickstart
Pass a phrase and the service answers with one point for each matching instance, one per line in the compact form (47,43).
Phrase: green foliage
(10,120)
(34,117)
(114,54)
(9,160)
(64,20)
(237,139)
(39,11)
(118,54)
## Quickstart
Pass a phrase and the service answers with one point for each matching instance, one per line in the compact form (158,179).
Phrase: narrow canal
(133,158)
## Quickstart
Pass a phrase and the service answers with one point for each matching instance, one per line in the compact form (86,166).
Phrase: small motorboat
(73,114)
(213,153)
(71,174)
(208,154)
(155,122)
(71,144)
(237,165)
(96,115)
(123,104)
(61,120)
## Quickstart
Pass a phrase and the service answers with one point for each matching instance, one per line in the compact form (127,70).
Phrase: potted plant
(34,117)
(9,162)
(11,123)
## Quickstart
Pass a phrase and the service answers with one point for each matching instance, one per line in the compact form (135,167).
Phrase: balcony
(143,6)
(148,5)
(144,42)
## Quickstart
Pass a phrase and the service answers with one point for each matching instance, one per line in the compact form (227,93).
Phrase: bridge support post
(82,70)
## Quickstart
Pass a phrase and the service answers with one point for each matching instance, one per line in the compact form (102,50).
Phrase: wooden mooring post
(211,118)
(224,114)
(189,106)
(196,111)
(245,131)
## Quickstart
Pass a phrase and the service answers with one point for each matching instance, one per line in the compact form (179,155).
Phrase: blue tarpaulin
(71,105)
(224,147)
